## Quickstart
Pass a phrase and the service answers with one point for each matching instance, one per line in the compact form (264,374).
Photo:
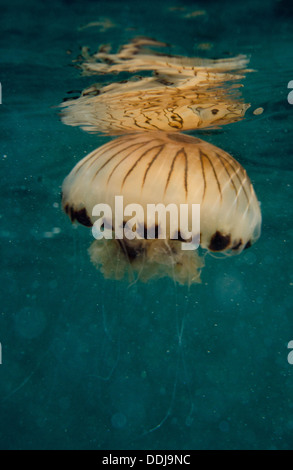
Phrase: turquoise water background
(89,363)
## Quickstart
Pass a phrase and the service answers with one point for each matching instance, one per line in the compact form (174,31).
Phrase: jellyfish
(160,168)
(152,163)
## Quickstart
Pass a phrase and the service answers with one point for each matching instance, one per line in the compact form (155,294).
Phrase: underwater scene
(146,225)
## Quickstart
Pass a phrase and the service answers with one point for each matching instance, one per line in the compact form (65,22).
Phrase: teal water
(89,363)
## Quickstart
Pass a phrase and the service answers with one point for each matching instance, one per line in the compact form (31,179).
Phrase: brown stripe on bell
(165,168)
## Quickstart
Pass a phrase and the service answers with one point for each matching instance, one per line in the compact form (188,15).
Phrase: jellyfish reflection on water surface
(182,93)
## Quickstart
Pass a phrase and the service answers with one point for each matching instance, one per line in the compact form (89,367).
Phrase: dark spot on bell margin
(156,231)
(145,232)
(237,245)
(219,242)
(181,239)
(248,245)
(81,216)
(153,232)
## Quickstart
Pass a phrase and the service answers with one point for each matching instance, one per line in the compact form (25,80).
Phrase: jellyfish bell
(168,169)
